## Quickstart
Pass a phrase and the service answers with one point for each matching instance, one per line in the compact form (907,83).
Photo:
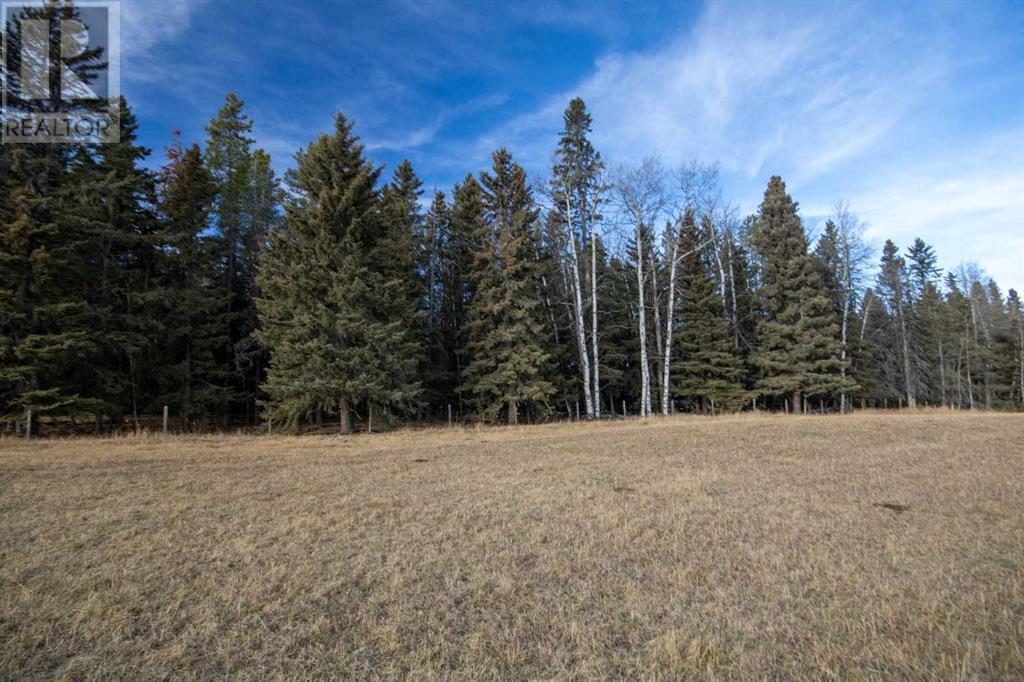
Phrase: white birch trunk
(645,379)
(656,305)
(578,314)
(593,327)
(669,313)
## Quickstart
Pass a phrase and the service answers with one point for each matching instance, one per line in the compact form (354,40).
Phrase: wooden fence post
(165,418)
(449,415)
(28,424)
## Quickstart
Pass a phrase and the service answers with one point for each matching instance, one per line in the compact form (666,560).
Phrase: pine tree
(798,351)
(507,369)
(333,307)
(708,369)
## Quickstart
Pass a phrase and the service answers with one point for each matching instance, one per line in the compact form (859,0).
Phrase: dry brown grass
(742,547)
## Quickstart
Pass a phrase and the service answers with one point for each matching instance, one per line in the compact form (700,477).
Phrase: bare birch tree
(853,254)
(640,193)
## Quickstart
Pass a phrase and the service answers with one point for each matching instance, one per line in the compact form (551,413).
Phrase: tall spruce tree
(333,307)
(708,368)
(193,306)
(262,210)
(468,233)
(798,353)
(894,289)
(403,257)
(507,370)
(1015,311)
(115,199)
(228,156)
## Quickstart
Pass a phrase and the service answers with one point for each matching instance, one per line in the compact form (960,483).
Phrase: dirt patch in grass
(872,545)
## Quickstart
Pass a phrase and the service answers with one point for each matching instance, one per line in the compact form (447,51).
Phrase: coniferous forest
(342,296)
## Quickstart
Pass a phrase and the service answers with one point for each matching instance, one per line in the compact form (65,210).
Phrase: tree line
(234,298)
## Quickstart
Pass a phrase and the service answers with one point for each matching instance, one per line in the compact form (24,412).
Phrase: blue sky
(912,112)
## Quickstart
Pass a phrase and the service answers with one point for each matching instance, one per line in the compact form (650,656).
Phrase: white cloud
(146,23)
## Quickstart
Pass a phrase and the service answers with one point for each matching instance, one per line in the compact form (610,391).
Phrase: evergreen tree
(893,288)
(798,352)
(1015,312)
(229,159)
(507,369)
(262,210)
(708,367)
(332,304)
(115,199)
(403,257)
(47,330)
(194,300)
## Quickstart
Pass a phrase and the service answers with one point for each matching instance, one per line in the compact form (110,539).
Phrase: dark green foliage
(798,348)
(229,158)
(334,307)
(708,369)
(193,308)
(122,291)
(507,366)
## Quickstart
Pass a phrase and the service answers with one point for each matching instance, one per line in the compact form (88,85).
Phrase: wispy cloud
(749,83)
(146,23)
(426,134)
(842,100)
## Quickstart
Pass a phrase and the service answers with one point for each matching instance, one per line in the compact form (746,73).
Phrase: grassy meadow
(874,545)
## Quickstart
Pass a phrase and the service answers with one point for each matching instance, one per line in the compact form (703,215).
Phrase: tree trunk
(735,317)
(344,417)
(593,328)
(669,314)
(797,409)
(907,380)
(645,379)
(659,348)
(578,313)
(942,374)
(513,413)
(842,352)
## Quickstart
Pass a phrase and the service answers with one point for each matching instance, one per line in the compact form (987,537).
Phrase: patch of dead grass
(735,547)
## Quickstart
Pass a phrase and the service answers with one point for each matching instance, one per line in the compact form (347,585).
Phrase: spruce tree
(507,369)
(193,298)
(708,369)
(402,256)
(798,334)
(228,156)
(894,289)
(1015,312)
(467,230)
(262,210)
(333,310)
(115,203)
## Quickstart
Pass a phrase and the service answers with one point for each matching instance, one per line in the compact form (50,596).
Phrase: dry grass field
(869,546)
